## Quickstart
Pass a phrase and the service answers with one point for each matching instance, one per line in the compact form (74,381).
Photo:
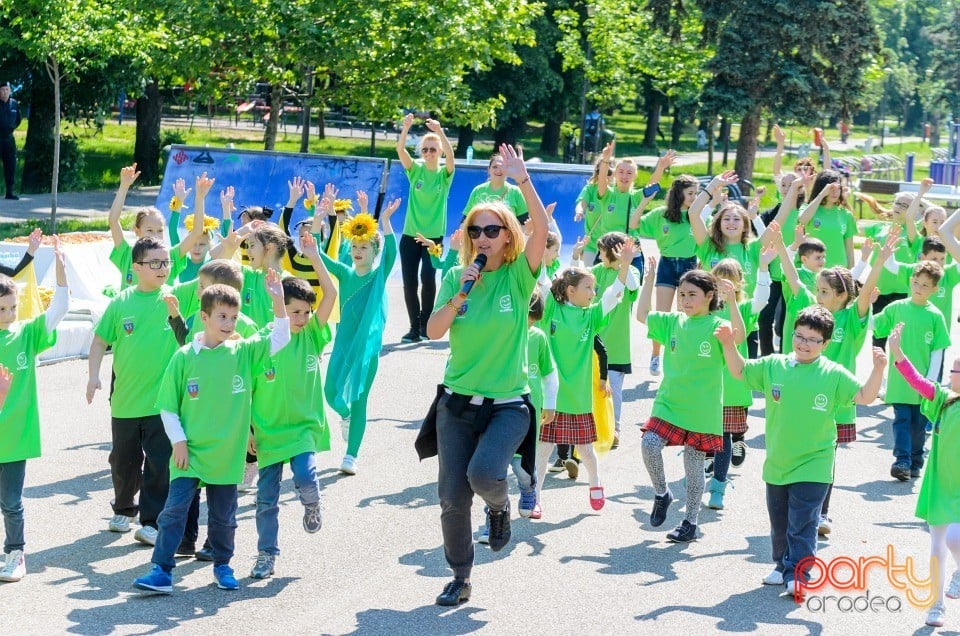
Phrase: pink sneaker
(596,498)
(537,512)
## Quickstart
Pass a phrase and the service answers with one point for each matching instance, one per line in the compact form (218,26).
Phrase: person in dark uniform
(9,120)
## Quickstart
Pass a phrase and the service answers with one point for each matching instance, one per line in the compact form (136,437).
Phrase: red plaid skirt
(846,433)
(676,436)
(735,419)
(567,428)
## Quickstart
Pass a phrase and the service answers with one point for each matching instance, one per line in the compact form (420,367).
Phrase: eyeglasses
(156,264)
(807,341)
(954,370)
(424,151)
(491,231)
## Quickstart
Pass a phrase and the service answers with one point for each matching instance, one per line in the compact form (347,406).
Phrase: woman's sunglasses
(491,231)
(424,151)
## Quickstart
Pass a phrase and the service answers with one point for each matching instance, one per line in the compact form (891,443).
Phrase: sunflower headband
(342,206)
(209,223)
(360,228)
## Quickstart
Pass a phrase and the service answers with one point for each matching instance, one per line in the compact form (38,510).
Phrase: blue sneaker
(223,574)
(528,501)
(156,581)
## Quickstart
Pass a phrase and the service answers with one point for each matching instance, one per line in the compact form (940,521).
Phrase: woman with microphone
(482,415)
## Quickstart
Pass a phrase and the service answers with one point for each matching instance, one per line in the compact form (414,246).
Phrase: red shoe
(596,498)
(537,512)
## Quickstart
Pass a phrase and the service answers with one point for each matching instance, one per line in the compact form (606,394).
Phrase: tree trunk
(465,137)
(53,69)
(305,125)
(505,135)
(373,139)
(276,103)
(747,144)
(725,138)
(38,149)
(676,128)
(710,142)
(146,150)
(653,105)
(550,139)
(321,121)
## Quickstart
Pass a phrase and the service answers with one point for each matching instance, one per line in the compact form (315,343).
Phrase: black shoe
(410,336)
(204,554)
(900,471)
(684,533)
(557,466)
(738,452)
(423,334)
(708,468)
(660,505)
(12,197)
(455,592)
(498,522)
(186,548)
(914,473)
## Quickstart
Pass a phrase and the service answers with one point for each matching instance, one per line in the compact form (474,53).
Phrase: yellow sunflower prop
(209,223)
(342,205)
(360,228)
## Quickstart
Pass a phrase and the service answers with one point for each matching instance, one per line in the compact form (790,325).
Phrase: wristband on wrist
(175,204)
(524,181)
(310,204)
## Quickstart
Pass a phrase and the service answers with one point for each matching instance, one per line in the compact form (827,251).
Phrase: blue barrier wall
(260,178)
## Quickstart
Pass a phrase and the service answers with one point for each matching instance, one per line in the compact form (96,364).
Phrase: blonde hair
(430,137)
(512,250)
(731,270)
(143,213)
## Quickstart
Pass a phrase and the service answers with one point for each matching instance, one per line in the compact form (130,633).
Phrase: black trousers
(414,263)
(882,301)
(140,461)
(771,318)
(8,154)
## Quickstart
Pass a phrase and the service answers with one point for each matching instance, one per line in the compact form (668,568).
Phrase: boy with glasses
(135,325)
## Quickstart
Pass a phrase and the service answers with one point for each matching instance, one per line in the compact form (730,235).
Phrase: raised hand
(363,201)
(607,152)
(728,291)
(549,208)
(667,160)
(925,186)
(388,211)
(226,201)
(724,333)
(34,240)
(651,268)
(128,175)
(330,192)
(727,177)
(274,286)
(890,245)
(181,191)
(423,240)
(308,245)
(407,122)
(894,340)
(627,252)
(866,249)
(203,186)
(779,135)
(456,240)
(768,254)
(513,164)
(311,191)
(434,126)
(879,358)
(173,305)
(296,189)
(579,246)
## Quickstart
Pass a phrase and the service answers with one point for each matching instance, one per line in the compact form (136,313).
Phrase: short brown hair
(7,286)
(931,270)
(810,245)
(223,271)
(219,295)
(818,318)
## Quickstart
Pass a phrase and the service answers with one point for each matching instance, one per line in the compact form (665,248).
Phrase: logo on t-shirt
(463,309)
(843,228)
(129,277)
(506,304)
(311,363)
(942,292)
(419,185)
(193,388)
(928,337)
(237,384)
(673,343)
(21,361)
(665,229)
(816,223)
(533,370)
(713,262)
(128,326)
(270,374)
(776,391)
(585,335)
(247,297)
(820,402)
(591,206)
(705,349)
(553,327)
(837,335)
(611,207)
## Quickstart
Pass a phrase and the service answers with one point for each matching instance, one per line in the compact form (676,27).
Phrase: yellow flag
(30,305)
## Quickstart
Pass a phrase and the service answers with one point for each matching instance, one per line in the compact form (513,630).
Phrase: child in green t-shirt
(135,324)
(828,217)
(439,260)
(205,403)
(289,424)
(939,500)
(693,365)
(573,321)
(21,341)
(924,345)
(802,391)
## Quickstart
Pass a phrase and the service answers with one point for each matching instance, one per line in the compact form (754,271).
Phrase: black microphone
(480,261)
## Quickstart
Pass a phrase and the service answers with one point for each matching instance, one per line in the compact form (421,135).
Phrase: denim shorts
(671,268)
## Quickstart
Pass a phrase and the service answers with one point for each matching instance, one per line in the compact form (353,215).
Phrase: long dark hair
(707,282)
(675,197)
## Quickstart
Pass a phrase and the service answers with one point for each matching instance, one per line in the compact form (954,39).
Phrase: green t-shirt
(427,201)
(245,327)
(186,294)
(943,299)
(122,256)
(508,194)
(692,366)
(288,411)
(539,365)
(20,419)
(615,210)
(591,214)
(833,226)
(889,283)
(135,323)
(735,393)
(616,335)
(747,255)
(488,338)
(674,239)
(570,331)
(789,232)
(255,300)
(801,403)
(210,389)
(849,334)
(939,499)
(794,305)
(924,332)
(449,260)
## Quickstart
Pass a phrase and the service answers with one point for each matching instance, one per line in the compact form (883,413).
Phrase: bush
(72,164)
(172,137)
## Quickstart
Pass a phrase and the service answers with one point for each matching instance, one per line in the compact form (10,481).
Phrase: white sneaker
(119,523)
(790,587)
(349,465)
(250,473)
(774,578)
(15,567)
(654,365)
(345,429)
(953,590)
(146,535)
(824,526)
(935,615)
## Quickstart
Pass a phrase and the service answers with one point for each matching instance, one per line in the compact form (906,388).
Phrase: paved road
(88,204)
(377,564)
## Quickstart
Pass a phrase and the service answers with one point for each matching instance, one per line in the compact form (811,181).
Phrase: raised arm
(790,274)
(729,295)
(871,388)
(788,204)
(778,156)
(448,160)
(811,210)
(203,186)
(697,226)
(645,300)
(724,333)
(405,159)
(948,237)
(516,169)
(825,150)
(886,251)
(128,175)
(328,299)
(603,176)
(910,217)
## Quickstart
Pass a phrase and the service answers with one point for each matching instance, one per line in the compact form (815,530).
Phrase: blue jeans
(909,434)
(794,511)
(304,467)
(221,520)
(11,503)
(473,459)
(524,479)
(671,268)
